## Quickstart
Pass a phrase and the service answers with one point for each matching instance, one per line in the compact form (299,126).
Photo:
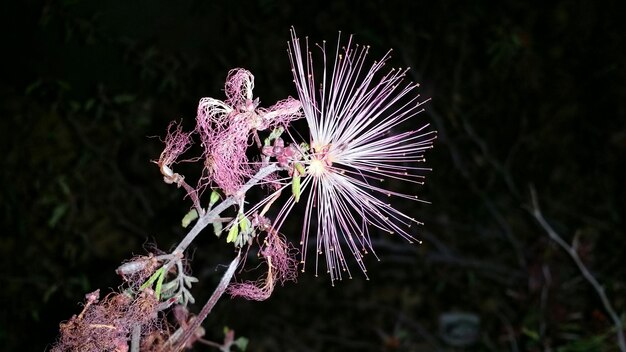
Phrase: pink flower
(226,126)
(356,143)
(176,143)
(281,266)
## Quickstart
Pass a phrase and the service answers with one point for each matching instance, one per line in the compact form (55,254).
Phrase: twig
(536,212)
(135,338)
(210,216)
(219,291)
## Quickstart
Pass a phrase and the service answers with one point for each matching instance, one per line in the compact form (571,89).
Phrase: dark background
(520,94)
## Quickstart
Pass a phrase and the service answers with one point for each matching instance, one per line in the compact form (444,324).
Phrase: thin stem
(203,221)
(193,194)
(135,338)
(210,217)
(219,291)
(619,329)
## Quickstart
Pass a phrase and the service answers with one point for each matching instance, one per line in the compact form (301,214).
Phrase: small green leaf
(300,168)
(244,224)
(215,196)
(189,217)
(241,342)
(168,289)
(189,280)
(295,186)
(159,285)
(57,214)
(65,188)
(217,228)
(152,278)
(276,133)
(232,233)
(532,334)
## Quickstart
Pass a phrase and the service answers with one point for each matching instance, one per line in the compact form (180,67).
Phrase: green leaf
(232,233)
(152,278)
(300,168)
(295,186)
(215,196)
(244,224)
(241,342)
(217,228)
(57,214)
(276,133)
(533,335)
(159,285)
(189,217)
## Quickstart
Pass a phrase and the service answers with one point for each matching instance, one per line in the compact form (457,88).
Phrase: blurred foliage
(520,95)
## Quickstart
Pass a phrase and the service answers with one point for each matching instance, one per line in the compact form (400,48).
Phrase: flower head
(225,128)
(281,266)
(353,112)
(176,143)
